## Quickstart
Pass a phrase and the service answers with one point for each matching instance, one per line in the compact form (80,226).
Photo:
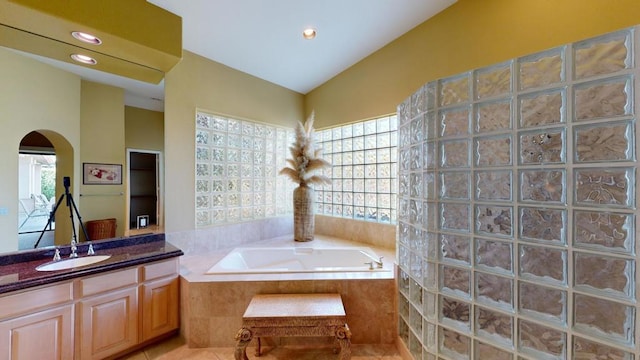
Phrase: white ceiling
(264,38)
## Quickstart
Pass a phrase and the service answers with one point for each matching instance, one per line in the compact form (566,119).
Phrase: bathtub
(297,260)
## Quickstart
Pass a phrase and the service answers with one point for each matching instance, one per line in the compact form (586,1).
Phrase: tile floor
(175,349)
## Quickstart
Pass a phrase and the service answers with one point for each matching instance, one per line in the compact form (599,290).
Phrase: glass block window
(517,208)
(237,164)
(364,170)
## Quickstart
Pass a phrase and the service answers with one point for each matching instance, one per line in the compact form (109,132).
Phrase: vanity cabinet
(91,317)
(37,324)
(107,314)
(159,293)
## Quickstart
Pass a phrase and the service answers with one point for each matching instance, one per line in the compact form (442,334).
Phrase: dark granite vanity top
(18,269)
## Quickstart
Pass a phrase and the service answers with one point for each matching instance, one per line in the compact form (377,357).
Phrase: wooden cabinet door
(159,307)
(108,323)
(43,335)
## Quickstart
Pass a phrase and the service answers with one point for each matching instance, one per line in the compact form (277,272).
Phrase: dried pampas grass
(306,164)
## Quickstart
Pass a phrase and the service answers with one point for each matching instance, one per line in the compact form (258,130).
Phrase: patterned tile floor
(175,349)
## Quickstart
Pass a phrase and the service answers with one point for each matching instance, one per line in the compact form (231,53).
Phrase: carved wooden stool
(294,315)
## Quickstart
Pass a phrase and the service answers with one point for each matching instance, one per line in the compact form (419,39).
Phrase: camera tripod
(66,181)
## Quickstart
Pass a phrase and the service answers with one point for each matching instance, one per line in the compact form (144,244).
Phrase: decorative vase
(303,213)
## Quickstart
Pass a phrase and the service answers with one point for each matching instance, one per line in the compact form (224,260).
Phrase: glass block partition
(364,170)
(517,208)
(237,164)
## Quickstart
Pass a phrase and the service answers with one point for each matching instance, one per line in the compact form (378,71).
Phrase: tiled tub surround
(366,232)
(517,208)
(228,236)
(212,305)
(18,270)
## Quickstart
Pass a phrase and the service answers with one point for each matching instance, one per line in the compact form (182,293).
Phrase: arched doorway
(44,158)
(36,191)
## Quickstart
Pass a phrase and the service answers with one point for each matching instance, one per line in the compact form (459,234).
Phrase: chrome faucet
(74,251)
(74,248)
(56,256)
(377,262)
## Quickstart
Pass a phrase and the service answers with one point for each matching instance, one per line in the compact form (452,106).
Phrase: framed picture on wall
(101,174)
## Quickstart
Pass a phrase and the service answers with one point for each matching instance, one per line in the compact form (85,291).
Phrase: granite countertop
(18,269)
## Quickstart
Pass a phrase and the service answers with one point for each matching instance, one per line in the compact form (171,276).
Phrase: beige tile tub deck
(212,305)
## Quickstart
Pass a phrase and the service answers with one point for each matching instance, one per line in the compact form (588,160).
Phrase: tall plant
(306,163)
(305,168)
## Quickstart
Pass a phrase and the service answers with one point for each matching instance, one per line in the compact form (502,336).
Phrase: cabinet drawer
(159,269)
(111,281)
(32,300)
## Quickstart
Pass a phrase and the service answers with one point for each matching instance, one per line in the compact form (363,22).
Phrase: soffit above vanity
(139,40)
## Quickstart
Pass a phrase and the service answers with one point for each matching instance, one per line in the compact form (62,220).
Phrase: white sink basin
(72,263)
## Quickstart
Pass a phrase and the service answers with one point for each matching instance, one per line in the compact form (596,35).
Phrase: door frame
(159,187)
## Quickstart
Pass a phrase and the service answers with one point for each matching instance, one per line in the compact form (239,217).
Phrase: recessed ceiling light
(84,59)
(309,33)
(87,38)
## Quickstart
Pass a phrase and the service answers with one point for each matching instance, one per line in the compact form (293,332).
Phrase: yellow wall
(144,129)
(102,141)
(85,123)
(92,117)
(198,83)
(34,96)
(468,35)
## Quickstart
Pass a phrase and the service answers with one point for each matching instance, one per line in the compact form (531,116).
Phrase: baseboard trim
(402,349)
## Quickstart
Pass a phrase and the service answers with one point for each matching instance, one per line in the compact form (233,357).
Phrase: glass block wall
(237,164)
(364,170)
(517,208)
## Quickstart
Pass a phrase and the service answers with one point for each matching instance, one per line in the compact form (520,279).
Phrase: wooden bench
(294,315)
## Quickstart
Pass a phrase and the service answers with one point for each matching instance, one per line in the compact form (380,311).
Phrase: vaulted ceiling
(261,38)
